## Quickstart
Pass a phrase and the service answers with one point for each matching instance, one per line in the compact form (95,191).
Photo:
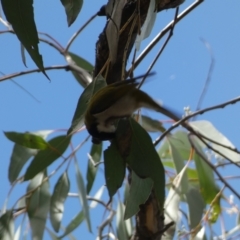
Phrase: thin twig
(162,48)
(17,74)
(220,144)
(218,152)
(163,32)
(212,167)
(58,48)
(104,224)
(175,125)
(78,32)
(23,89)
(53,39)
(209,76)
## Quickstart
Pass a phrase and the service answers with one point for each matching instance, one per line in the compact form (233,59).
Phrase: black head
(97,136)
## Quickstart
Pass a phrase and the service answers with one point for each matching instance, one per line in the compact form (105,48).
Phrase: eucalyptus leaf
(58,198)
(179,164)
(38,204)
(140,190)
(148,24)
(76,221)
(114,167)
(95,155)
(7,226)
(20,155)
(207,129)
(21,16)
(121,226)
(144,160)
(28,140)
(81,69)
(196,207)
(72,9)
(83,196)
(44,158)
(89,91)
(172,203)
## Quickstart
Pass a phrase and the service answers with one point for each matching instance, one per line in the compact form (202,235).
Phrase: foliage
(179,171)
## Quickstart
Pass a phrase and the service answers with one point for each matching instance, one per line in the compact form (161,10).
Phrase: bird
(114,102)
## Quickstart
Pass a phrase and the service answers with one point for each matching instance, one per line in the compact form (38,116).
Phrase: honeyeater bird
(116,101)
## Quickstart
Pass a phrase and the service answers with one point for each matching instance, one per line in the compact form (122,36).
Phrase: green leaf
(144,160)
(121,226)
(20,155)
(140,190)
(95,155)
(180,140)
(20,15)
(44,158)
(38,205)
(85,69)
(172,203)
(81,62)
(208,186)
(28,140)
(72,9)
(114,167)
(58,198)
(179,164)
(89,91)
(7,226)
(196,207)
(77,220)
(207,129)
(151,125)
(83,195)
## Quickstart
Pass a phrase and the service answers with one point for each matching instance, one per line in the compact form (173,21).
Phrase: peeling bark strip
(130,17)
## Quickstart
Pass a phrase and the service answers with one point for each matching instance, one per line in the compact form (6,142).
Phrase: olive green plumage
(116,101)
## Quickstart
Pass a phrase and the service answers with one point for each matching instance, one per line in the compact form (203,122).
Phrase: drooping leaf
(21,16)
(121,225)
(180,140)
(7,226)
(75,222)
(58,198)
(81,62)
(148,23)
(38,205)
(97,196)
(95,154)
(140,190)
(144,160)
(114,167)
(20,155)
(28,140)
(44,158)
(179,164)
(81,69)
(83,196)
(196,207)
(208,186)
(172,203)
(72,9)
(18,233)
(112,29)
(207,129)
(78,118)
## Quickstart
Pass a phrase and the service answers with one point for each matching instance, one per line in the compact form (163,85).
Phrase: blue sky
(181,73)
